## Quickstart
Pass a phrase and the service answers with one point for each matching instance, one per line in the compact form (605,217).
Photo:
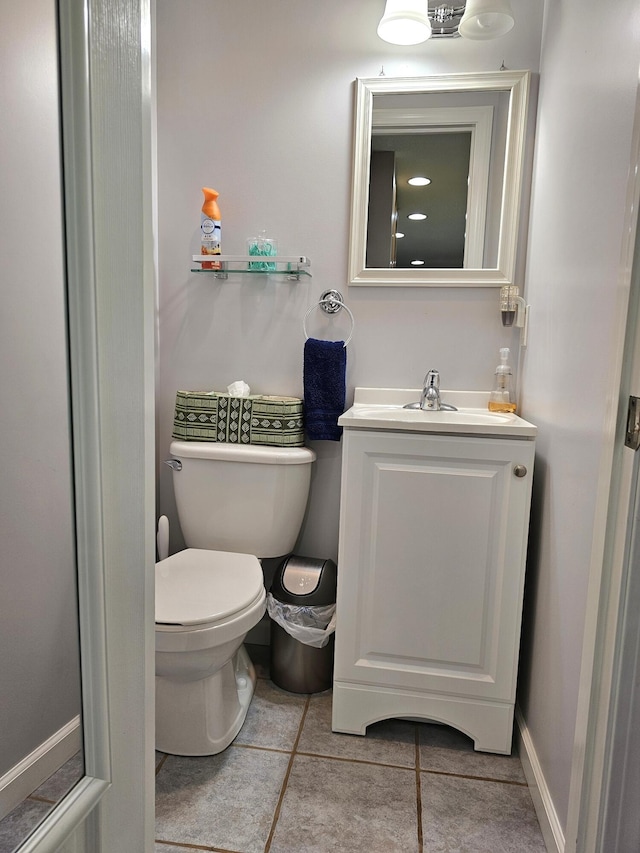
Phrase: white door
(618,827)
(604,781)
(103,170)
(621,817)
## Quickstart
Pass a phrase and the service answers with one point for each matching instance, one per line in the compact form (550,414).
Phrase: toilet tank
(248,499)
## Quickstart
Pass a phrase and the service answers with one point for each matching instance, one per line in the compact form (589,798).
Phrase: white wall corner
(547,816)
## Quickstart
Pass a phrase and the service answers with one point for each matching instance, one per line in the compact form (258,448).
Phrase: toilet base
(203,717)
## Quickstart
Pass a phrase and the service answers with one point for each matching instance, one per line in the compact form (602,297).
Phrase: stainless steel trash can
(296,667)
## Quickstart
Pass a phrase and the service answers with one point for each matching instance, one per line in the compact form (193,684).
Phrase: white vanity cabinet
(433,536)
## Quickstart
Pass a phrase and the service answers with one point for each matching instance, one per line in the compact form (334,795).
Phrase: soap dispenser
(502,398)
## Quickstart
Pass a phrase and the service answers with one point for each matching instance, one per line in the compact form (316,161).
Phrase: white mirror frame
(517,83)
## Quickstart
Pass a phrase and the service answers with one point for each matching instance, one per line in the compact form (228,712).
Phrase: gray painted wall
(255,99)
(274,137)
(586,110)
(38,633)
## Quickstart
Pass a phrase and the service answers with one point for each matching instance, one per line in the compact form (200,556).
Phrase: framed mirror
(437,179)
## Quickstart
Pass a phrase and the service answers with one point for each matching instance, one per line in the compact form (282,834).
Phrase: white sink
(383,408)
(395,413)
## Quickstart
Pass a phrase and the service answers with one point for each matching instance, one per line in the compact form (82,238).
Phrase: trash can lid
(305,581)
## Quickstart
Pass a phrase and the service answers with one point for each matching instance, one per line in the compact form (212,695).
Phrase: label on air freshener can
(210,241)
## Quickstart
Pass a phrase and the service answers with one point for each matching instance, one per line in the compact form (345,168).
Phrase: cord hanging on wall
(514,310)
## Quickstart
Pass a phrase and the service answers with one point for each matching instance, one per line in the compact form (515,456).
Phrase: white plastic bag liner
(312,626)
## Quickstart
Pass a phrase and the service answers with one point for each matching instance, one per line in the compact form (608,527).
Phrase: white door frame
(605,602)
(106,121)
(619,825)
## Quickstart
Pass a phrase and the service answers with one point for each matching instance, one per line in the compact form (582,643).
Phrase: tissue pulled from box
(238,389)
(255,419)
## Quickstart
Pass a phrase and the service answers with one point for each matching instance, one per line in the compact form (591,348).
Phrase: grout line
(276,814)
(419,793)
(186,846)
(356,760)
(39,799)
(477,778)
(261,748)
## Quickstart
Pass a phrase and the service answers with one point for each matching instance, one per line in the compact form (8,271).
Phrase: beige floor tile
(62,781)
(17,825)
(387,742)
(474,816)
(226,800)
(273,718)
(332,806)
(446,750)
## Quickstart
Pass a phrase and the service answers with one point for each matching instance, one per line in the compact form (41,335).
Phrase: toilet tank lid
(242,453)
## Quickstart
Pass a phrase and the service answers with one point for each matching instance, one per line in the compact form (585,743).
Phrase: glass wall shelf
(290,266)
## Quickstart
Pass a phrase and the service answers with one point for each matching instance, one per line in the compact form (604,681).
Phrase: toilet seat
(197,588)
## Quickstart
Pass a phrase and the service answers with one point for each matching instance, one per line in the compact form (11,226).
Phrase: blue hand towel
(325,364)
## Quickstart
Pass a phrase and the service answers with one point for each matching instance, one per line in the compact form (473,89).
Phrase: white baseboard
(35,768)
(547,817)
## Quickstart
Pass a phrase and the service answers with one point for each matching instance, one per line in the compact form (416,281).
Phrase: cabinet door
(431,565)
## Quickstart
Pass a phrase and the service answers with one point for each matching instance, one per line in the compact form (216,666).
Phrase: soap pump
(502,398)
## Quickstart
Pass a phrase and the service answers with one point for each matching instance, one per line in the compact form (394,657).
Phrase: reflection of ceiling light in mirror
(399,234)
(405,22)
(417,216)
(419,182)
(417,263)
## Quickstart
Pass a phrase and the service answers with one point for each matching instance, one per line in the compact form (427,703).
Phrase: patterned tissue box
(257,419)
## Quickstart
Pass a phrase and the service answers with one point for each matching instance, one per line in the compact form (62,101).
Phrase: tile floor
(288,784)
(20,822)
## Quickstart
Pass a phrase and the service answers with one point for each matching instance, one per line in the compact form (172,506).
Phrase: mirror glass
(437,179)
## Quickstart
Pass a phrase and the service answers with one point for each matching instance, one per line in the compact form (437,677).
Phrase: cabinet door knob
(520,471)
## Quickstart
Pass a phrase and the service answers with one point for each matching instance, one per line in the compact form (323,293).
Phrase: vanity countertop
(382,408)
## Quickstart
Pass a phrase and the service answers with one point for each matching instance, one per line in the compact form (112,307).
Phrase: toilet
(236,504)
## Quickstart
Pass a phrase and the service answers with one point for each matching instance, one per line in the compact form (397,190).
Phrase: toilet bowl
(235,504)
(206,602)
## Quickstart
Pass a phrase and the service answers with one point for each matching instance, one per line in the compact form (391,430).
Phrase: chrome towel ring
(331,302)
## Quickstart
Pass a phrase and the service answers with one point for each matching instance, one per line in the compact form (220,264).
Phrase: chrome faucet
(430,397)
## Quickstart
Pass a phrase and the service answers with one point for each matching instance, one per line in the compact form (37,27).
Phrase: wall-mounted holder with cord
(514,310)
(331,301)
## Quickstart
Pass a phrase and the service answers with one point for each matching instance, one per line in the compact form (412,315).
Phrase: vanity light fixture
(486,19)
(405,22)
(419,182)
(417,216)
(408,22)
